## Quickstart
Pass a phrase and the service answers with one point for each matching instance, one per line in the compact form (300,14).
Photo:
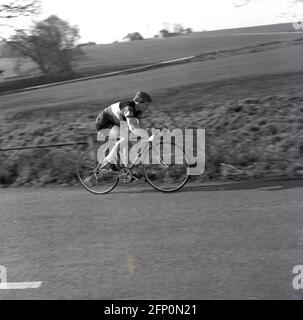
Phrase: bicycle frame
(150,140)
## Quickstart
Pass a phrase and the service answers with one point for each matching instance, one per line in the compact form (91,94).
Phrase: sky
(105,21)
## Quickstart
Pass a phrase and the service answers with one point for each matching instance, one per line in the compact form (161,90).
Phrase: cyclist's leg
(106,128)
(123,143)
(113,136)
(113,156)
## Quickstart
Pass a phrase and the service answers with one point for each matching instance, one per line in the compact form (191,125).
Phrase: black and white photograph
(151,150)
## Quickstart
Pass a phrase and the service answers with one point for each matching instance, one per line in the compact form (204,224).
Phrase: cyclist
(110,118)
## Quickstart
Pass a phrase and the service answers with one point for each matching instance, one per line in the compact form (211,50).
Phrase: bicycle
(165,173)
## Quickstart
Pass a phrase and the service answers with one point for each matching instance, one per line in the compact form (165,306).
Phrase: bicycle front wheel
(94,181)
(167,167)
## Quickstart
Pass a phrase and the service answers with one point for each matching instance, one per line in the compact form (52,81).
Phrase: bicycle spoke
(168,172)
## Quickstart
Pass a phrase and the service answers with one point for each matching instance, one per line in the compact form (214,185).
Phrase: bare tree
(17,8)
(51,44)
(10,11)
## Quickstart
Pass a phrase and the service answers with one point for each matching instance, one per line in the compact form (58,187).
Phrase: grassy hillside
(156,50)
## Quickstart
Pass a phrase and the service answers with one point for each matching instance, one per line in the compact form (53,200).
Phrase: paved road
(237,240)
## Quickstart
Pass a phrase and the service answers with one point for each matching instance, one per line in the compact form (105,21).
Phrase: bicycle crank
(126,175)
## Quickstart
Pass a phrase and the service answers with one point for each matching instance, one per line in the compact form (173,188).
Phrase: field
(108,57)
(245,90)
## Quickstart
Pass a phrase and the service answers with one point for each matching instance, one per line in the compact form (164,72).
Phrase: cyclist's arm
(134,126)
(133,122)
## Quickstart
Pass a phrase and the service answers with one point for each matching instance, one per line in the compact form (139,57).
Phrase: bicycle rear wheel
(167,170)
(93,181)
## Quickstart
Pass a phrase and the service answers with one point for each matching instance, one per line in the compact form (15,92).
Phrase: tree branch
(19,7)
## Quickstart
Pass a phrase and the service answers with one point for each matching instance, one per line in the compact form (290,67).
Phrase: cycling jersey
(115,113)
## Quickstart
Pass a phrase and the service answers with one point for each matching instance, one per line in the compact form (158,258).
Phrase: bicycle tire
(78,169)
(179,186)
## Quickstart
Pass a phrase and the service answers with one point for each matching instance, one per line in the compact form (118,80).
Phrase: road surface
(215,241)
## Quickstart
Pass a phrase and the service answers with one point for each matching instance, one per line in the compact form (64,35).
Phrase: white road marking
(175,60)
(20,285)
(4,285)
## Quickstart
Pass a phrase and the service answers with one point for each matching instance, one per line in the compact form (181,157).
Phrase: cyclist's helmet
(142,96)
